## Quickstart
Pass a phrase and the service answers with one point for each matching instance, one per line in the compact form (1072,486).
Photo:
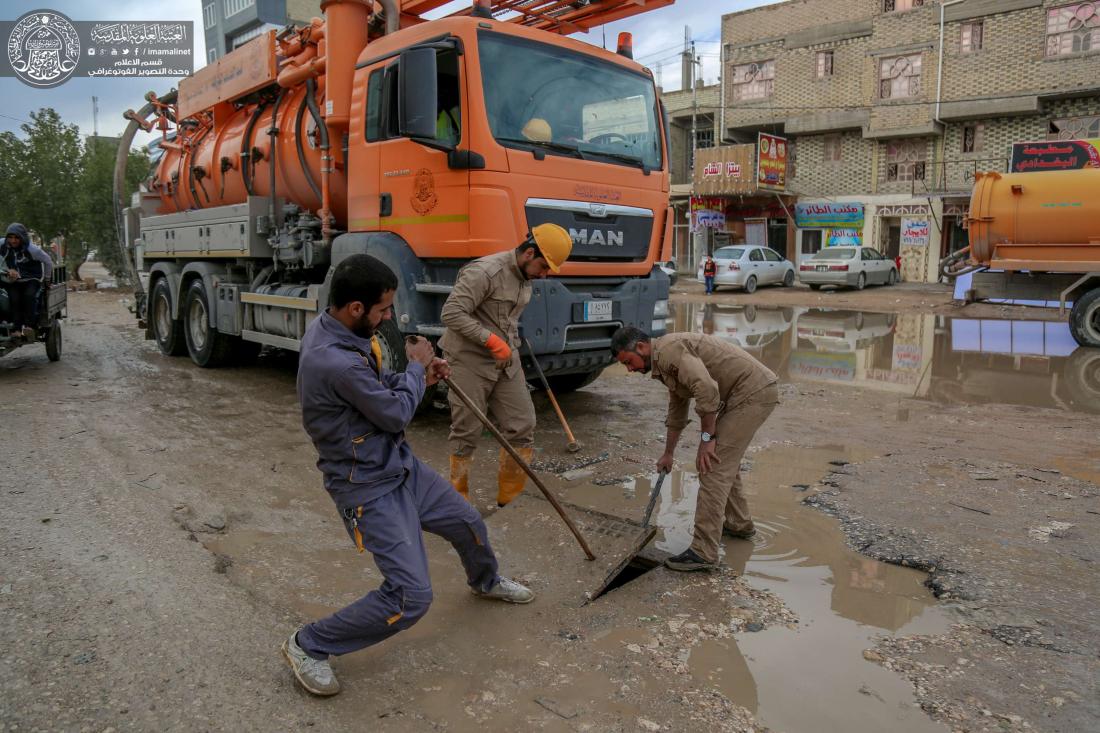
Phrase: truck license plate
(597,310)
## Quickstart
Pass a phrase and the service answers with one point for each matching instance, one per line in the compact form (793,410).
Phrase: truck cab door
(423,199)
(364,159)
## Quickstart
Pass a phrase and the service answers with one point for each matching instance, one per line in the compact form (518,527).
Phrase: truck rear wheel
(207,347)
(1084,319)
(168,333)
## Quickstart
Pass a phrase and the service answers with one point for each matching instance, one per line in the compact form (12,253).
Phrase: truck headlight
(660,309)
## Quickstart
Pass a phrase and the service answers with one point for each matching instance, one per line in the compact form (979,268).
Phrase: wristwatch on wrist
(706,437)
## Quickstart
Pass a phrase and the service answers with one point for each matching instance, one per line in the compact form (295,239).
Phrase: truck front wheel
(207,347)
(1084,319)
(392,344)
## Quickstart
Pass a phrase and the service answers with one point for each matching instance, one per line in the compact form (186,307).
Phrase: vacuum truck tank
(1046,221)
(1036,236)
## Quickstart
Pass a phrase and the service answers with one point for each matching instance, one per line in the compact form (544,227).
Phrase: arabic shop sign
(1055,155)
(828,215)
(915,232)
(707,212)
(771,162)
(45,48)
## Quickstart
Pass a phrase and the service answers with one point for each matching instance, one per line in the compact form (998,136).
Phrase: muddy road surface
(927,557)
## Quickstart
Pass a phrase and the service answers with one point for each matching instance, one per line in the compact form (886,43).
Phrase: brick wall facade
(1010,88)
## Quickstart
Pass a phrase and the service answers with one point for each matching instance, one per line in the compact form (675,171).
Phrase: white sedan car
(855,267)
(748,265)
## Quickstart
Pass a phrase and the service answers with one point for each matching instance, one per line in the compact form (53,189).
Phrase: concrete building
(230,23)
(880,126)
(688,108)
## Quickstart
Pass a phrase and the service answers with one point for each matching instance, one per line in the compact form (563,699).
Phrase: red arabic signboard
(1055,155)
(771,162)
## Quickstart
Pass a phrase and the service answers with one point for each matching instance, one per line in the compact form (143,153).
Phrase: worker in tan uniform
(734,394)
(482,343)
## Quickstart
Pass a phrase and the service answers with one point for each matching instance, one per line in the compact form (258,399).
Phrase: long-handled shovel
(522,464)
(573,446)
(653,498)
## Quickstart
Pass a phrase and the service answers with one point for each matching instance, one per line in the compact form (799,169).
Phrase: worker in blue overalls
(356,413)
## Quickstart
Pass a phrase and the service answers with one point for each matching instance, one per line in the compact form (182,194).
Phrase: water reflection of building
(949,360)
(883,351)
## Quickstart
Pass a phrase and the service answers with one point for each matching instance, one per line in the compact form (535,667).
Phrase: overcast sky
(658,40)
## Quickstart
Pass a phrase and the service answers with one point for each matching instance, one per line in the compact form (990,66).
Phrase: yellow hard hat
(554,243)
(538,130)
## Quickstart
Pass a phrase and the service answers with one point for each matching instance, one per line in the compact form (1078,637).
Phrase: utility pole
(95,116)
(694,104)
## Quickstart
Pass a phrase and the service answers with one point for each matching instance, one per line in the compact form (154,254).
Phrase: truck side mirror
(417,93)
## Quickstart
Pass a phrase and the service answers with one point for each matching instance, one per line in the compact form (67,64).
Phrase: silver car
(854,267)
(748,265)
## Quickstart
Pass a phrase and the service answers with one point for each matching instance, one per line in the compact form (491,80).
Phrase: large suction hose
(122,157)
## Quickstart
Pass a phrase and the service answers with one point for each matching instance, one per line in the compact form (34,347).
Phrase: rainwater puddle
(947,360)
(811,679)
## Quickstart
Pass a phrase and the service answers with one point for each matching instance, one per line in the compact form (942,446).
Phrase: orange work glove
(499,348)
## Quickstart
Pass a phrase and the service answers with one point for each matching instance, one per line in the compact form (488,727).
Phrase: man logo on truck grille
(597,237)
(424,198)
(43,48)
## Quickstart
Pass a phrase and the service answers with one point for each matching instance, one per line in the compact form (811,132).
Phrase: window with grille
(833,149)
(905,160)
(1073,28)
(824,64)
(753,81)
(211,55)
(232,7)
(890,6)
(704,138)
(1074,128)
(899,77)
(973,138)
(209,15)
(971,37)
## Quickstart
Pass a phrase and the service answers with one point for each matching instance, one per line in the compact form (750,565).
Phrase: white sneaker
(507,590)
(313,674)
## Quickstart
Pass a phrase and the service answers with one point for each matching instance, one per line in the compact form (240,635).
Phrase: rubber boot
(511,478)
(460,474)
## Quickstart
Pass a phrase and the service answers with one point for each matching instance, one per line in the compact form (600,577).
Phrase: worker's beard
(362,327)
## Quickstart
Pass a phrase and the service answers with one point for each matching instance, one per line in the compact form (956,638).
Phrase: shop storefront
(739,197)
(824,224)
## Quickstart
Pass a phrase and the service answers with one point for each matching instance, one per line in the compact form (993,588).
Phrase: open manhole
(533,543)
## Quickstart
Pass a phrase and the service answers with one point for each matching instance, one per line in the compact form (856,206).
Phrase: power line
(17,119)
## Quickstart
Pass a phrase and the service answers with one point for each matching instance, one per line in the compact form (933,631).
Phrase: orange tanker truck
(423,143)
(1036,236)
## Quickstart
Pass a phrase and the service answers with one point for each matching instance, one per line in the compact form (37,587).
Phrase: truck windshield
(566,103)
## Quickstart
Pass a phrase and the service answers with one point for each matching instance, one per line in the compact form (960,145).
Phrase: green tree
(95,222)
(48,172)
(11,172)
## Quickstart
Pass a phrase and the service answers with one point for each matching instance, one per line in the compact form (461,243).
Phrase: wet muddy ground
(926,495)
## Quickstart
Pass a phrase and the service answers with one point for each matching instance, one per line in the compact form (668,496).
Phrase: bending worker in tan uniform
(482,343)
(734,394)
